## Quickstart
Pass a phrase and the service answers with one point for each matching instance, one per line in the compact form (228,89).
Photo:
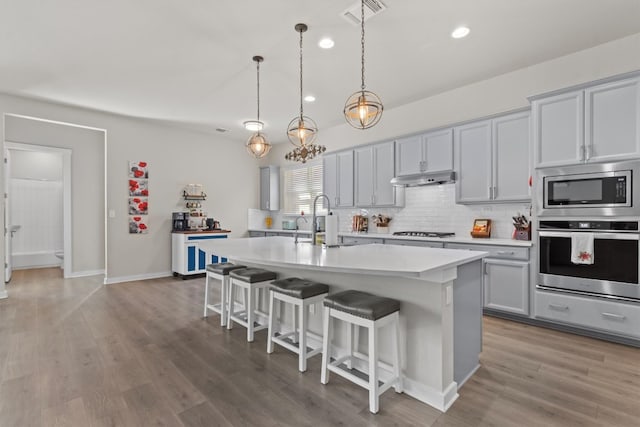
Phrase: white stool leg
(326,340)
(294,314)
(397,370)
(250,313)
(302,355)
(206,294)
(373,369)
(349,362)
(232,299)
(272,322)
(224,285)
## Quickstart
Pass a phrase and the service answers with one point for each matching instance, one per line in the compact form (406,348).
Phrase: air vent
(222,130)
(371,8)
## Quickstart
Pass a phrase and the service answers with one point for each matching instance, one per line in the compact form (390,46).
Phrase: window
(301,186)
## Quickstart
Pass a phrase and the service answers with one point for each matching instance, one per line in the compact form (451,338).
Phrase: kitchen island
(440,291)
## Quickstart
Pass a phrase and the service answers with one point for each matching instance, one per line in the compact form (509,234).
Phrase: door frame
(66,198)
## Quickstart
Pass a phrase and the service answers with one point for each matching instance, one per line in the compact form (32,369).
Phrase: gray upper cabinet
(473,162)
(338,178)
(374,169)
(270,188)
(597,124)
(428,152)
(492,160)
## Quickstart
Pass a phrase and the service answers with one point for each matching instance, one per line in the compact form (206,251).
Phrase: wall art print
(138,197)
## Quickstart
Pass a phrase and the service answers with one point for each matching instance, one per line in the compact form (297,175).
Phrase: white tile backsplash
(427,208)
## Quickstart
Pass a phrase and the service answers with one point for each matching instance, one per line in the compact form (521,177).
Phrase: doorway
(37,207)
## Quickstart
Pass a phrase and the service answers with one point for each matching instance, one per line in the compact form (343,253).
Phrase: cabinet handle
(490,192)
(337,201)
(587,150)
(495,193)
(559,307)
(267,205)
(582,156)
(485,272)
(423,166)
(614,316)
(506,253)
(373,199)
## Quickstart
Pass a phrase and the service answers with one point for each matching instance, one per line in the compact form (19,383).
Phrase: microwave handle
(610,236)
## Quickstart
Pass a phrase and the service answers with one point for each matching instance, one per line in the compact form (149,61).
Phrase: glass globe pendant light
(363,109)
(301,130)
(257,144)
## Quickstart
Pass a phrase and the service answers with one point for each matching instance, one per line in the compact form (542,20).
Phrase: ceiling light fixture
(460,32)
(257,145)
(326,43)
(302,131)
(309,98)
(363,109)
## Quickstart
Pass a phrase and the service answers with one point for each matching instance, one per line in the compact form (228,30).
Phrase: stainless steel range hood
(425,178)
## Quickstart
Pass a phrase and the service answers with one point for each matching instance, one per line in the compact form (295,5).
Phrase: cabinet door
(345,179)
(506,286)
(408,155)
(264,188)
(270,188)
(473,162)
(330,177)
(511,157)
(383,172)
(558,129)
(438,151)
(612,114)
(364,176)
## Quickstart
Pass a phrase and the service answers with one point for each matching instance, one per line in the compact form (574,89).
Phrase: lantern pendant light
(363,109)
(257,145)
(302,131)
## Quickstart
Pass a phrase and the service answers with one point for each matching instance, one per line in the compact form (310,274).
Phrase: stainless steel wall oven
(615,269)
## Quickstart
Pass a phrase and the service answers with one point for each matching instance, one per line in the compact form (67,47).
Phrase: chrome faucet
(297,228)
(314,219)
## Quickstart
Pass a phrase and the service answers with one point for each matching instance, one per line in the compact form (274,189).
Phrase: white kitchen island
(440,291)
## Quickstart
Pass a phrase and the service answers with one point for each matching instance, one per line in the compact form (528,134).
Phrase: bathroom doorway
(37,207)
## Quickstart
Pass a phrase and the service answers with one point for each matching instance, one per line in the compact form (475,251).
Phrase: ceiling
(190,62)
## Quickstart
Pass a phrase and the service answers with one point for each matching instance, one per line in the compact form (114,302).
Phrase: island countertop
(385,260)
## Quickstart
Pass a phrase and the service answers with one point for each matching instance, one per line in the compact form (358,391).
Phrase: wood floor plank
(75,352)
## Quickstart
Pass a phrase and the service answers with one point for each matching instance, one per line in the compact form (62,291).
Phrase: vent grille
(371,8)
(222,130)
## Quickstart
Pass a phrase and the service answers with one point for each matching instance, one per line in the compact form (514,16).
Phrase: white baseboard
(86,273)
(26,260)
(135,277)
(442,401)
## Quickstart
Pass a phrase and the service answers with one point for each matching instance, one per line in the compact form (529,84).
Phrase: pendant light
(302,131)
(363,109)
(257,145)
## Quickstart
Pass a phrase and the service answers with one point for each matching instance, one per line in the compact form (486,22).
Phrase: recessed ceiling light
(253,125)
(460,32)
(309,98)
(326,43)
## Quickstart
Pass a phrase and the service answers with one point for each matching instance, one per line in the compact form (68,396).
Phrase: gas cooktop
(423,234)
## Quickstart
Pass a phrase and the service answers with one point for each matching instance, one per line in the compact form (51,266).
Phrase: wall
(176,157)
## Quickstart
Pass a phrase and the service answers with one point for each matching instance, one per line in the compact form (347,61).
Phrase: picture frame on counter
(481,228)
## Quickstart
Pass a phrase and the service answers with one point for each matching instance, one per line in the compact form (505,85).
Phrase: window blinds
(301,186)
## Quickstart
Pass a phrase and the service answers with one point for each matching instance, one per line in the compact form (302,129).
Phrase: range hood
(424,178)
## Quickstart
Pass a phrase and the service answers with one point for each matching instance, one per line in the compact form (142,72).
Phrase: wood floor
(77,353)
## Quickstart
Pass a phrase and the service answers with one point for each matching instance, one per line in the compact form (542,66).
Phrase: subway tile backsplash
(427,208)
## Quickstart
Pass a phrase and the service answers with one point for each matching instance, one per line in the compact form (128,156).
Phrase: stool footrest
(215,307)
(358,377)
(295,347)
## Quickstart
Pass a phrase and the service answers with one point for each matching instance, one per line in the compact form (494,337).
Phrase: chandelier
(363,109)
(257,144)
(302,131)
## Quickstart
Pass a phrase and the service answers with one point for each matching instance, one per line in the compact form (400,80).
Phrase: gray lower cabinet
(506,277)
(256,233)
(348,240)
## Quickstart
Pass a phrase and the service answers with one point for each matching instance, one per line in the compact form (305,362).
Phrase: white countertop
(390,236)
(387,260)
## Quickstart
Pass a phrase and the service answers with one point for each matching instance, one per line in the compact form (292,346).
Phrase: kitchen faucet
(313,221)
(297,228)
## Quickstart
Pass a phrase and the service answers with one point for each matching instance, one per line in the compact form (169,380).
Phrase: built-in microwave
(592,190)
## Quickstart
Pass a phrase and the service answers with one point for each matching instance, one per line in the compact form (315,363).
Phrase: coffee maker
(180,221)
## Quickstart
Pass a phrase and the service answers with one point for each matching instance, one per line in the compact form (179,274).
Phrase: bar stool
(219,271)
(251,280)
(372,312)
(301,293)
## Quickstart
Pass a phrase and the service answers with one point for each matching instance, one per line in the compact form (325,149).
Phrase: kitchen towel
(582,248)
(331,230)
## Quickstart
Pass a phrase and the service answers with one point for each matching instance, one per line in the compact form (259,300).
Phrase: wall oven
(615,269)
(591,190)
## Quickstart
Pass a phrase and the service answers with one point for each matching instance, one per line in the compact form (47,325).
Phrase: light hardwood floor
(77,353)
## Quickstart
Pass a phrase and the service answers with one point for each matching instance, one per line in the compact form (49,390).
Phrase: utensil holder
(523,233)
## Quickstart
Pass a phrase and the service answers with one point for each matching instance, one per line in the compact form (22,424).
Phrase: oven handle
(609,236)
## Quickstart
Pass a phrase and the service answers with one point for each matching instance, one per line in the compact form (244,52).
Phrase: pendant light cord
(301,111)
(258,85)
(362,40)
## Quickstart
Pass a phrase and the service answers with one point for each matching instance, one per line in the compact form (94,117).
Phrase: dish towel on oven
(582,248)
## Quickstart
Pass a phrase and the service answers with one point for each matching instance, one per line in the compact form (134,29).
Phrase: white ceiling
(190,61)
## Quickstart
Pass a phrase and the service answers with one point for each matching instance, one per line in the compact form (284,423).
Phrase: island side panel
(467,321)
